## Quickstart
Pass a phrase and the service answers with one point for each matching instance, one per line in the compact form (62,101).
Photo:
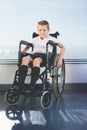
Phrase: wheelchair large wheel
(58,81)
(11,97)
(45,99)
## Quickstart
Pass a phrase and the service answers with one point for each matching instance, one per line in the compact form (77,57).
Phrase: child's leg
(34,77)
(23,70)
(22,75)
(35,73)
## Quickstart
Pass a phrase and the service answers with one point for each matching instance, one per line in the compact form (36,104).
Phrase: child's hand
(23,52)
(59,63)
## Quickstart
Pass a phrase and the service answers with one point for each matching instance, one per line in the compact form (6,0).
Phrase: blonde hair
(43,22)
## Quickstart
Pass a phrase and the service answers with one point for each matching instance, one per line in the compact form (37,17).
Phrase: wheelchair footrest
(33,94)
(25,92)
(38,87)
(38,91)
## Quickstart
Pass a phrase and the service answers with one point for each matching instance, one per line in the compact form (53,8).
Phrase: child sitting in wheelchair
(38,55)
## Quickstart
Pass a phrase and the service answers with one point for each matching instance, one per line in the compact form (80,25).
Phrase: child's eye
(42,30)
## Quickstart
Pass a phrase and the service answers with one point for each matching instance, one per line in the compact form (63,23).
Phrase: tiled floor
(69,112)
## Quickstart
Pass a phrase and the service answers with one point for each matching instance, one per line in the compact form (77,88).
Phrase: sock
(34,77)
(22,75)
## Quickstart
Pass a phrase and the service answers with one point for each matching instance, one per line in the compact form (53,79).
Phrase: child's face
(43,31)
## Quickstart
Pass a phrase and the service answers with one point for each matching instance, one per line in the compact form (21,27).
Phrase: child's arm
(62,51)
(25,49)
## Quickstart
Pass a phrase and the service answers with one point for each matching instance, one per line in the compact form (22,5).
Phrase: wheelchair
(50,72)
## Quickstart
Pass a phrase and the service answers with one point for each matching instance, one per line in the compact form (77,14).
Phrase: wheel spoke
(59,80)
(45,99)
(11,97)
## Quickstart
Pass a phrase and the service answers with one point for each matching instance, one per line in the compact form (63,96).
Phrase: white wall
(75,73)
(7,73)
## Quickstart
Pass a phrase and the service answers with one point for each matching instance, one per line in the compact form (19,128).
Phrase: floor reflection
(25,118)
(68,112)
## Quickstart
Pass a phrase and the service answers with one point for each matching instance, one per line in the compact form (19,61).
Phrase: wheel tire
(61,78)
(58,80)
(45,99)
(11,97)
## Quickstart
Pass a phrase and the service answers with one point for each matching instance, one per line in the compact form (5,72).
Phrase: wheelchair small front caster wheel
(11,97)
(13,112)
(45,99)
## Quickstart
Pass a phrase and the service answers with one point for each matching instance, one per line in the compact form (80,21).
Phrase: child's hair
(43,22)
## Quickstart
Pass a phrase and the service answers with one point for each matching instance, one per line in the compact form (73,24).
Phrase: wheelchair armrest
(51,43)
(54,51)
(26,43)
(22,42)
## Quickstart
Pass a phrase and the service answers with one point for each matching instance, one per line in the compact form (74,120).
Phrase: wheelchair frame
(45,89)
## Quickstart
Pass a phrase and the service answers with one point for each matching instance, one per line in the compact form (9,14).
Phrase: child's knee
(37,61)
(26,60)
